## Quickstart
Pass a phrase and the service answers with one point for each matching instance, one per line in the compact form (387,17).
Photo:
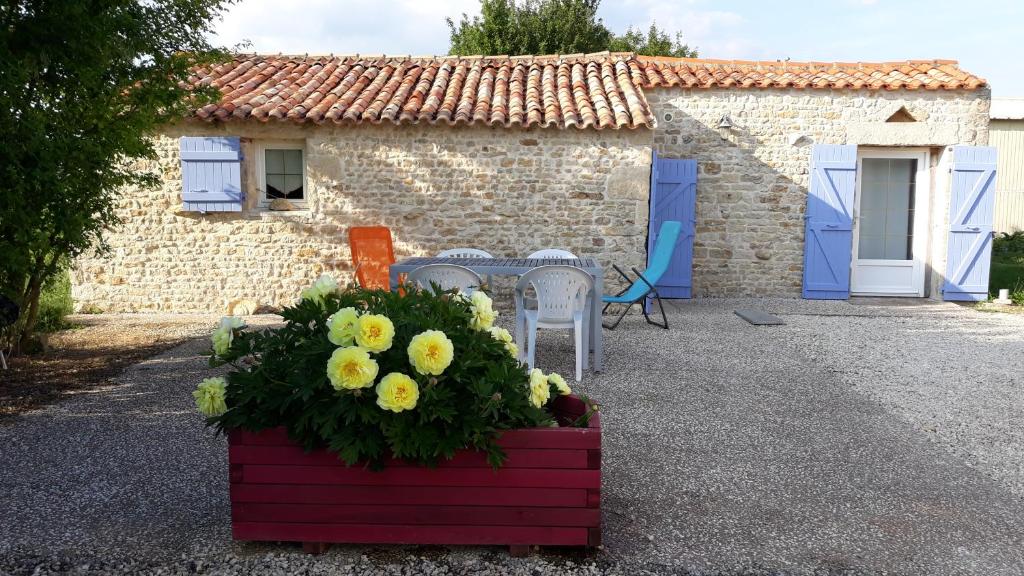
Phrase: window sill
(268,214)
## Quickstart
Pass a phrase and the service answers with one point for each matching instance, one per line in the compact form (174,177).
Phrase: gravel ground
(98,347)
(858,439)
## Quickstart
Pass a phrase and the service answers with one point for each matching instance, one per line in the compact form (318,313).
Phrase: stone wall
(506,191)
(752,181)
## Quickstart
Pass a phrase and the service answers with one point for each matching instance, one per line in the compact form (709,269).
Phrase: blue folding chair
(639,289)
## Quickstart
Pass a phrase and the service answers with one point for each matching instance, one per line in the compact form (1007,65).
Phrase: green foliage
(82,85)
(552,27)
(279,378)
(654,43)
(55,303)
(1008,244)
(1008,265)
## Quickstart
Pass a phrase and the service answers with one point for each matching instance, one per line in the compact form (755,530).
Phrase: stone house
(513,154)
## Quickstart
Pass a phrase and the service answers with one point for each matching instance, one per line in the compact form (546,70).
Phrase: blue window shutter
(971,211)
(211,174)
(828,232)
(674,197)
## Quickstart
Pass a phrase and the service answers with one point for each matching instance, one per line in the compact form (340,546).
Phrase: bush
(1008,243)
(371,373)
(55,303)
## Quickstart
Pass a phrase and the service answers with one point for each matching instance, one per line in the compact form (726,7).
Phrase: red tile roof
(650,72)
(603,90)
(565,91)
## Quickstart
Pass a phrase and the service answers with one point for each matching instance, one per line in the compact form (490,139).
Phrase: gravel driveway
(858,438)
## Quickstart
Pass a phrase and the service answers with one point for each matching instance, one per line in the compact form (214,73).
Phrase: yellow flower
(540,391)
(504,336)
(210,395)
(483,311)
(225,333)
(351,368)
(232,322)
(431,352)
(323,286)
(397,392)
(560,385)
(341,327)
(374,332)
(222,338)
(500,334)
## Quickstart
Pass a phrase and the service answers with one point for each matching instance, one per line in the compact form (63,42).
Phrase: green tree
(553,27)
(82,86)
(655,43)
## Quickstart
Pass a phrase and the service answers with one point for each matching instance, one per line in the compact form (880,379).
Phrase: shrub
(371,373)
(55,303)
(1008,243)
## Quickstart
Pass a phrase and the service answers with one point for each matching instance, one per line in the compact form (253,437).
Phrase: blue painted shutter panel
(828,230)
(211,174)
(971,211)
(674,197)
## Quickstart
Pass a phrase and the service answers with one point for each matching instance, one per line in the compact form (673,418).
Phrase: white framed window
(281,171)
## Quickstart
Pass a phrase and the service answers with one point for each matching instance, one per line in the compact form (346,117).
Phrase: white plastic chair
(562,296)
(464,253)
(447,276)
(468,253)
(552,253)
(546,254)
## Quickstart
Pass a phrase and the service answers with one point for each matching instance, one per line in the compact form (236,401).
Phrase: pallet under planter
(548,492)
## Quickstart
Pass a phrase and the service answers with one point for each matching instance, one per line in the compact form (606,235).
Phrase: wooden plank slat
(421,495)
(564,438)
(399,534)
(415,515)
(516,458)
(522,477)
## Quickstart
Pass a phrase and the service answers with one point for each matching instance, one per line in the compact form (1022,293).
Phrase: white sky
(984,35)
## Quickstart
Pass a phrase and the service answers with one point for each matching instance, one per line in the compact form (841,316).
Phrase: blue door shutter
(971,211)
(674,197)
(211,174)
(828,232)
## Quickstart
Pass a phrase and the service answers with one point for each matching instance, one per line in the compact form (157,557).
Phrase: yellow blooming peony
(374,332)
(431,352)
(342,327)
(322,287)
(560,385)
(225,333)
(351,368)
(397,392)
(222,338)
(540,391)
(483,311)
(504,336)
(210,395)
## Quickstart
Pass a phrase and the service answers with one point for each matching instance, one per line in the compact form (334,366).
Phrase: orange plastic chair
(372,255)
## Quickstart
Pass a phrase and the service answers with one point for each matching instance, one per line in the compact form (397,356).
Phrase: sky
(984,35)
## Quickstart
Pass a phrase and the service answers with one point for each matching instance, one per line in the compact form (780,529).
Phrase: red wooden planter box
(547,493)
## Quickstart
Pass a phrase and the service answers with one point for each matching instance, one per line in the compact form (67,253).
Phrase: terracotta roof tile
(654,71)
(604,90)
(582,91)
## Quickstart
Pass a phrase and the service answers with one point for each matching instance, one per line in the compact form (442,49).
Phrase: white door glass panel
(887,209)
(889,239)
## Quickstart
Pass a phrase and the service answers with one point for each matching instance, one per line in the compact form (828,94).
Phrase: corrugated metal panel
(1008,137)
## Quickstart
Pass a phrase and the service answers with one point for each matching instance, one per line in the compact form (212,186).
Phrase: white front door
(890,223)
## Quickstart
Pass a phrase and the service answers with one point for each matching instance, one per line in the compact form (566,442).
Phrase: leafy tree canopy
(82,86)
(553,27)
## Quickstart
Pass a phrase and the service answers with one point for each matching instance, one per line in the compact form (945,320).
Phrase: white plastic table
(518,267)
